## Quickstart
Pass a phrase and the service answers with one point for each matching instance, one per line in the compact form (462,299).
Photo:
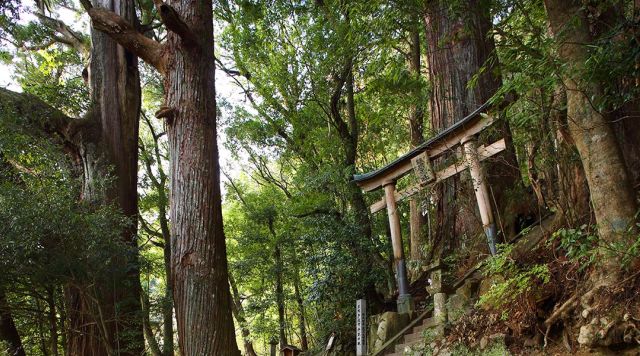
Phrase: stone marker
(361,327)
(440,312)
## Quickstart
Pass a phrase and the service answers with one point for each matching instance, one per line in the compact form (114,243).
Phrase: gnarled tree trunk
(610,187)
(110,321)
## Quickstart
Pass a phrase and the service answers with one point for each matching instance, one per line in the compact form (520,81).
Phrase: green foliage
(579,244)
(289,56)
(54,75)
(49,238)
(516,280)
(288,186)
(583,246)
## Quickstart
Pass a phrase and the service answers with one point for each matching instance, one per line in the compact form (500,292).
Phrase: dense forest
(200,177)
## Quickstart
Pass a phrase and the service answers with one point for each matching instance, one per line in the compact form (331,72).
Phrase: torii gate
(419,161)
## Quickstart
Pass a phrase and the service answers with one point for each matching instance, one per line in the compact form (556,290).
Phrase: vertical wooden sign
(361,327)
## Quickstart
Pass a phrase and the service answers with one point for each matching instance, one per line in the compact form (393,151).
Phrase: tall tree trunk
(279,269)
(304,342)
(159,184)
(53,320)
(416,131)
(8,332)
(238,312)
(154,348)
(198,253)
(624,122)
(458,47)
(610,187)
(349,135)
(199,259)
(109,147)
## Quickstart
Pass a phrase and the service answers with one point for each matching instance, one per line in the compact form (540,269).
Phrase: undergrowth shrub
(517,279)
(579,245)
(583,246)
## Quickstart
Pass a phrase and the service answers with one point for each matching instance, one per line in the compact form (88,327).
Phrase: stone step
(414,336)
(400,347)
(426,324)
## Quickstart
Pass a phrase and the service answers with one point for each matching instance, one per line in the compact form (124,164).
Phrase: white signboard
(361,327)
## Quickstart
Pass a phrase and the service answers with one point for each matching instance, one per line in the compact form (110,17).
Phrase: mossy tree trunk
(107,319)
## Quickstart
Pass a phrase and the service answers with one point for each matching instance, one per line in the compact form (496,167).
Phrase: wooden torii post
(419,161)
(404,298)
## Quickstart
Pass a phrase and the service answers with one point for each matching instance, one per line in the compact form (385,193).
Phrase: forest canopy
(190,177)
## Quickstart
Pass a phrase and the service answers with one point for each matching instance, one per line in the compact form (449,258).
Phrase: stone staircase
(412,337)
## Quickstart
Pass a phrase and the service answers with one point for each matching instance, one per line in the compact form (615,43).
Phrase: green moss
(494,349)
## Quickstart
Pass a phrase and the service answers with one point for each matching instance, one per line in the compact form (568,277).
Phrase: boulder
(383,327)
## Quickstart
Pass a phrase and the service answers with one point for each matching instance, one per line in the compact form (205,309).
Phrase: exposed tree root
(561,312)
(601,331)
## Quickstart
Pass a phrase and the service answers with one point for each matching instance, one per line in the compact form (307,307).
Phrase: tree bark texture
(625,123)
(610,187)
(108,148)
(198,252)
(457,49)
(199,259)
(417,221)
